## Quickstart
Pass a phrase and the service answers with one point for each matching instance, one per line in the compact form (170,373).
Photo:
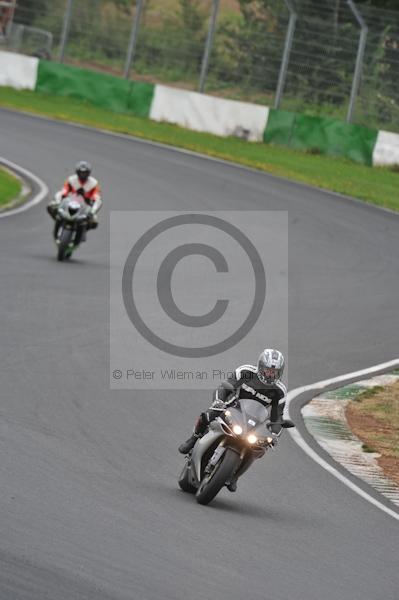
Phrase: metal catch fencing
(29,40)
(327,57)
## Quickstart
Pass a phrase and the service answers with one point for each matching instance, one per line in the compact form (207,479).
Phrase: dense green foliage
(247,51)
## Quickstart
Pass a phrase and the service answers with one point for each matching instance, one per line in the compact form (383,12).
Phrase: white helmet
(270,366)
(83,170)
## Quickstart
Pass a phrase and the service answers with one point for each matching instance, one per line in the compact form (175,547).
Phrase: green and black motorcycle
(71,218)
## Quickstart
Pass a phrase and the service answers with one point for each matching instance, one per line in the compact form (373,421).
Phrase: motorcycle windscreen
(251,413)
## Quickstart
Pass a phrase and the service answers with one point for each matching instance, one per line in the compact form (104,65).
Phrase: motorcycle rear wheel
(211,485)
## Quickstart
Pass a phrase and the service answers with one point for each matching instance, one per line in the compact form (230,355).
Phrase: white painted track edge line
(41,194)
(298,439)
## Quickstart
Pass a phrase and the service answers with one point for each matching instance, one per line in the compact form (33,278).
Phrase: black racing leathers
(246,384)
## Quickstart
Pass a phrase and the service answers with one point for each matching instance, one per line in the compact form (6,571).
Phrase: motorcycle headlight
(237,429)
(252,439)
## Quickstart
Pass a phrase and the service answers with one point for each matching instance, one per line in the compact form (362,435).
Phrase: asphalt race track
(89,504)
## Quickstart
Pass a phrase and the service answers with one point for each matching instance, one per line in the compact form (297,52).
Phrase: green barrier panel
(279,127)
(325,135)
(140,98)
(335,138)
(99,89)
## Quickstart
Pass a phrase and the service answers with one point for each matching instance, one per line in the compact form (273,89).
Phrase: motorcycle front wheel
(211,484)
(63,245)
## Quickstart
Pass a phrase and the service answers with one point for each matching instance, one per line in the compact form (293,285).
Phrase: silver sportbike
(234,440)
(71,216)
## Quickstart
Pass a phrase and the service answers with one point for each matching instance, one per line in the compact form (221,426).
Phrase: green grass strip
(377,186)
(10,187)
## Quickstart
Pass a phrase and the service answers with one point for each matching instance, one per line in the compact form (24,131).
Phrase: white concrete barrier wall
(18,71)
(209,114)
(386,149)
(192,110)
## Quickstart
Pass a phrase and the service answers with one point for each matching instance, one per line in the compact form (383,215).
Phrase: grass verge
(374,417)
(10,188)
(377,186)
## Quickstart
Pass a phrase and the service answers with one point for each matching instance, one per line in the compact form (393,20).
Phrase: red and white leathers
(89,190)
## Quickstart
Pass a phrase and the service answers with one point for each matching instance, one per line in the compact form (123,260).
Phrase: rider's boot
(232,485)
(199,430)
(278,425)
(189,444)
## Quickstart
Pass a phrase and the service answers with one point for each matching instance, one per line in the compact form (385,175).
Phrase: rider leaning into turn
(261,383)
(83,184)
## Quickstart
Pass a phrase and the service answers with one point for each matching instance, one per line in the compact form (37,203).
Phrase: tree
(28,10)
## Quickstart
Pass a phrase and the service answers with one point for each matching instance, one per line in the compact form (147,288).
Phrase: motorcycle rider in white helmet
(83,184)
(261,383)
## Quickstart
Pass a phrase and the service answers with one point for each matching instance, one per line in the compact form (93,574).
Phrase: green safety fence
(324,135)
(100,89)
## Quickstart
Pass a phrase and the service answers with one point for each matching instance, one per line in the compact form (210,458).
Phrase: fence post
(131,51)
(6,16)
(359,60)
(208,45)
(65,29)
(286,55)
